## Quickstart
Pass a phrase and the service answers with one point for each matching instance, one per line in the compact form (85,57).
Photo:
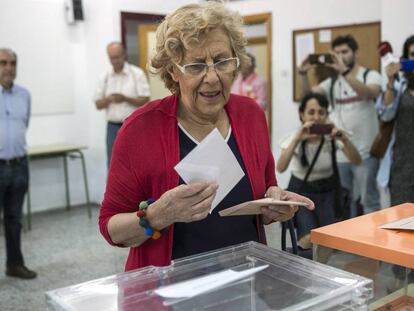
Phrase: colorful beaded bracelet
(144,223)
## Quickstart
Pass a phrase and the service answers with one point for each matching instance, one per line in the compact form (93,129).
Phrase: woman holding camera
(312,151)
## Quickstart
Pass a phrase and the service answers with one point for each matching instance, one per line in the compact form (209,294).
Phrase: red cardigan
(146,151)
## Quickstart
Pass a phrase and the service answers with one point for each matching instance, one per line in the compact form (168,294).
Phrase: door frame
(264,18)
(138,17)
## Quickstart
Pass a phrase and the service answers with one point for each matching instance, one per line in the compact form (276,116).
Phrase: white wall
(397,22)
(85,52)
(54,96)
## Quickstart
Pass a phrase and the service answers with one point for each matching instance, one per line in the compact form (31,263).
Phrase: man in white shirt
(120,91)
(352,95)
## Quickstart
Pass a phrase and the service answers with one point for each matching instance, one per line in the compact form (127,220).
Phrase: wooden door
(146,45)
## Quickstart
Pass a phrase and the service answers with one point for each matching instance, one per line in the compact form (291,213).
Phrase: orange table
(361,236)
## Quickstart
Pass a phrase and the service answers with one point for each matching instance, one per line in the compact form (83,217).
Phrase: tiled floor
(64,248)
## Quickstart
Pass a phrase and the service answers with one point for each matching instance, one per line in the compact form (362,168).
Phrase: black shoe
(305,252)
(302,252)
(20,272)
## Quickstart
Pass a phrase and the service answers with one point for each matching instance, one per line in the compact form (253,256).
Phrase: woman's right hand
(184,203)
(392,69)
(304,131)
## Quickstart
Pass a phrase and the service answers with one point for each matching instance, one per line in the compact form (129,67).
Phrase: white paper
(304,46)
(199,172)
(212,160)
(255,207)
(401,224)
(325,36)
(191,288)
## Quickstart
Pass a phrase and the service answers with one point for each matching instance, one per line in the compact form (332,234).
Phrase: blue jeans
(360,180)
(111,132)
(14,181)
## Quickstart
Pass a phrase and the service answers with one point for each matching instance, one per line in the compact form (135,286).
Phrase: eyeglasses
(5,62)
(223,66)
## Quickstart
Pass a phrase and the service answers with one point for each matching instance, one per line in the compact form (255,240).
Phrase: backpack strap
(339,191)
(288,225)
(331,90)
(318,151)
(366,72)
(334,162)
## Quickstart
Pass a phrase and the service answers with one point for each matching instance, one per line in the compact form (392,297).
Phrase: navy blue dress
(215,231)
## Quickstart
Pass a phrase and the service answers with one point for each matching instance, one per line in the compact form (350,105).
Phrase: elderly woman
(200,48)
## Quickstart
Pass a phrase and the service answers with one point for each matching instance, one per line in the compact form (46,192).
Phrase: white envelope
(205,283)
(196,172)
(406,223)
(212,160)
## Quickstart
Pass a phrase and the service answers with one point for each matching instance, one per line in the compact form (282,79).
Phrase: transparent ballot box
(363,246)
(248,276)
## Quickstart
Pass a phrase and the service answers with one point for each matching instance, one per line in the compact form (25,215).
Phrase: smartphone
(320,129)
(320,59)
(407,65)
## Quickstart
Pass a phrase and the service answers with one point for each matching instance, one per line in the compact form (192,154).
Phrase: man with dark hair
(352,93)
(120,91)
(348,40)
(250,84)
(14,175)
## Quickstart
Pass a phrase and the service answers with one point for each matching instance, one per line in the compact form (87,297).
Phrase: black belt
(12,161)
(115,123)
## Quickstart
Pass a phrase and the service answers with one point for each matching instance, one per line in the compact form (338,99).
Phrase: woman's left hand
(283,212)
(340,134)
